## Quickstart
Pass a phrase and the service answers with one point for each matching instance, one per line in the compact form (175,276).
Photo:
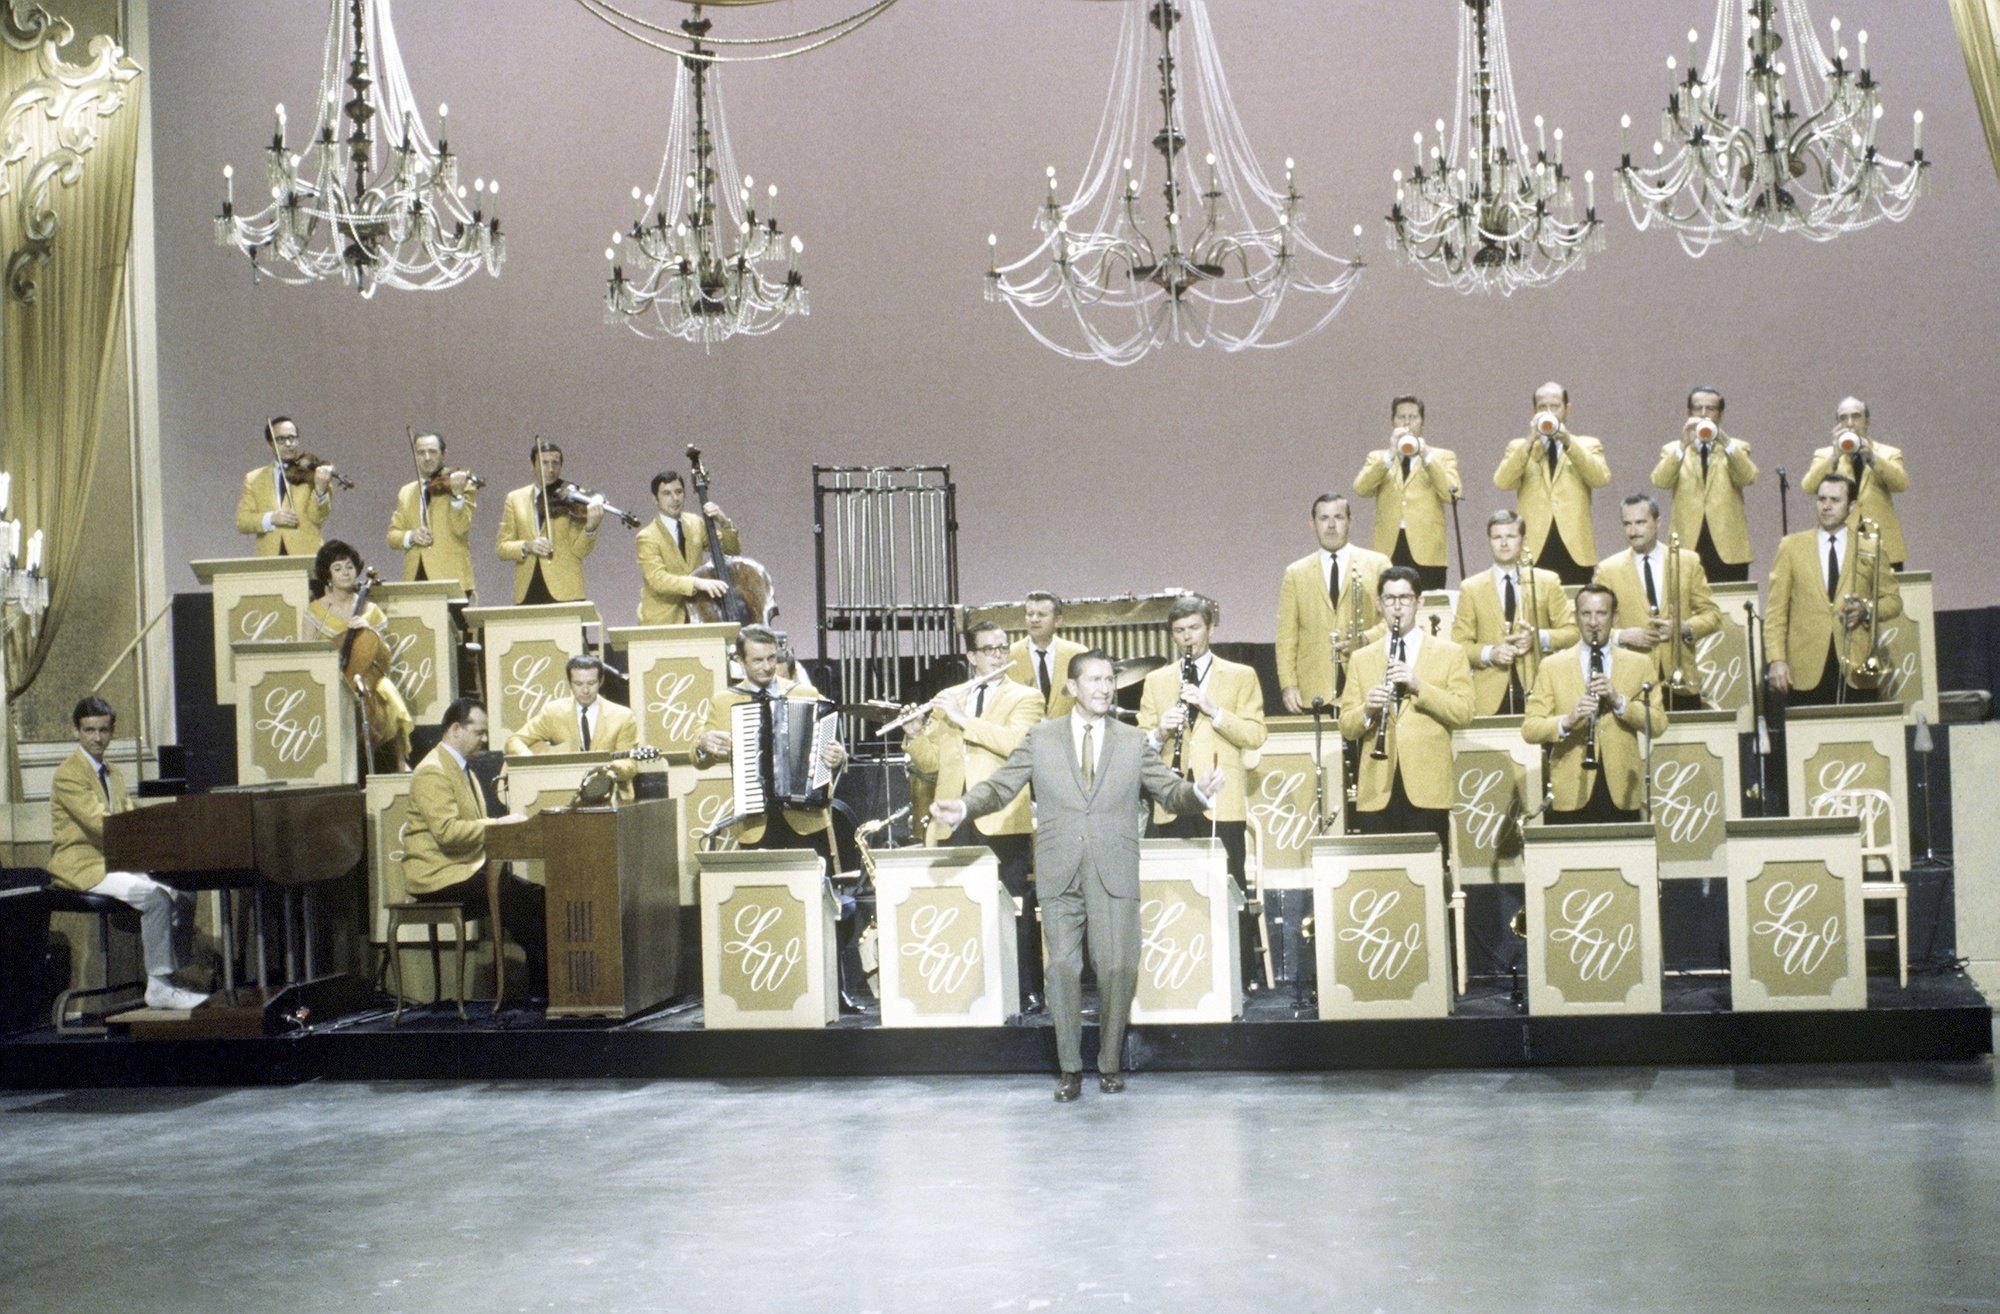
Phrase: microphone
(611,670)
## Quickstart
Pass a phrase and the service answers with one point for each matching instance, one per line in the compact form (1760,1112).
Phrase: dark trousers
(538,594)
(523,915)
(1598,809)
(1830,688)
(1016,854)
(1197,827)
(1399,816)
(854,917)
(1431,577)
(1712,564)
(1555,556)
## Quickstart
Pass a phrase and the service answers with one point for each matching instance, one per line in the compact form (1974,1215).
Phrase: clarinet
(1188,676)
(1381,750)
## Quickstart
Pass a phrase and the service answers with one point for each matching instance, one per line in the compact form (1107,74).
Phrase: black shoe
(1034,1007)
(1110,1082)
(849,1004)
(1068,1087)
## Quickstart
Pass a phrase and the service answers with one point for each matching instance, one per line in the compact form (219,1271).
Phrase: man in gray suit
(1092,776)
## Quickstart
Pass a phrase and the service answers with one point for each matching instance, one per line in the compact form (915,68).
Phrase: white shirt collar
(1583,656)
(456,756)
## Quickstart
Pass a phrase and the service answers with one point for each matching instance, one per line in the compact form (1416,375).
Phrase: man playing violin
(545,536)
(285,502)
(432,526)
(673,547)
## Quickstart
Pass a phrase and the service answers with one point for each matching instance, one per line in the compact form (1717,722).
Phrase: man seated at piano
(86,789)
(780,827)
(444,847)
(584,722)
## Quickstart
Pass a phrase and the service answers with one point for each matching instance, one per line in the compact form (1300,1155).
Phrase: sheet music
(745,725)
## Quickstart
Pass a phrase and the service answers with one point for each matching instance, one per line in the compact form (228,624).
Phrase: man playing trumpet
(1552,472)
(1667,587)
(1830,589)
(1707,470)
(1412,483)
(1508,619)
(1589,710)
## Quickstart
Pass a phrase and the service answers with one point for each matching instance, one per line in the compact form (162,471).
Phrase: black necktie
(1406,467)
(1333,583)
(1042,672)
(1596,660)
(583,718)
(1509,603)
(979,701)
(1832,567)
(478,794)
(1652,594)
(1397,650)
(674,530)
(104,779)
(1704,460)
(1555,453)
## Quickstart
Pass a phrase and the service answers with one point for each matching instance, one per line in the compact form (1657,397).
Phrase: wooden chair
(405,910)
(1877,813)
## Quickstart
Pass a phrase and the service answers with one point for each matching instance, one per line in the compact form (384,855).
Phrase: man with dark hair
(970,732)
(538,534)
(1596,699)
(584,722)
(444,846)
(778,828)
(1876,469)
(87,789)
(1041,659)
(1816,626)
(1657,590)
(1091,776)
(1552,472)
(1407,691)
(433,531)
(1320,600)
(1707,470)
(286,517)
(673,547)
(1412,483)
(1508,619)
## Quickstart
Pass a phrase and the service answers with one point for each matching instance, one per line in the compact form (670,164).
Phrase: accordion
(789,757)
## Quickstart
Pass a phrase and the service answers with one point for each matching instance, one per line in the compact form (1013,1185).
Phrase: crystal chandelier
(1483,214)
(697,265)
(1774,162)
(379,206)
(1228,252)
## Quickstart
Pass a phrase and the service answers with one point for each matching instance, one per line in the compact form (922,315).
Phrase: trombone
(1678,683)
(1348,624)
(1869,672)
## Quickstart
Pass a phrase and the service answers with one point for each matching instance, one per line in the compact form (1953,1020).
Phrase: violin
(564,498)
(751,595)
(300,470)
(439,484)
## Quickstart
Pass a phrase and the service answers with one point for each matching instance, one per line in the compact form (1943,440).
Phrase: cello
(751,598)
(364,664)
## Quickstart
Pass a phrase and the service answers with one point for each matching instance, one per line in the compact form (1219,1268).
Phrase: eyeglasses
(991,649)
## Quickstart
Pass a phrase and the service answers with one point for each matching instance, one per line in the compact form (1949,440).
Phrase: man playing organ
(1042,658)
(1707,470)
(1589,709)
(1508,619)
(432,526)
(778,827)
(1412,483)
(285,502)
(1406,692)
(965,736)
(547,535)
(1551,472)
(1825,600)
(1323,601)
(1659,589)
(1876,469)
(672,548)
(584,722)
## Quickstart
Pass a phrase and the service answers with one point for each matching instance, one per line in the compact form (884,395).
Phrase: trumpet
(1381,750)
(1869,672)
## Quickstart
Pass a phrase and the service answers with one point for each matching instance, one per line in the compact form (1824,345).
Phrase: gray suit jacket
(1077,831)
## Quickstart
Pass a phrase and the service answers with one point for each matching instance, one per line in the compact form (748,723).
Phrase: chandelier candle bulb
(278,131)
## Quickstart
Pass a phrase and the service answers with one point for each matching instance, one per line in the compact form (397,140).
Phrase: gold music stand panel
(1379,927)
(1190,967)
(947,948)
(768,953)
(1795,918)
(1593,913)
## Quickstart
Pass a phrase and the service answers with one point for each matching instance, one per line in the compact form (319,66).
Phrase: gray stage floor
(1873,1188)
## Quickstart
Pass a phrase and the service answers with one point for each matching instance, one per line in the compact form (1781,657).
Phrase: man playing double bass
(673,547)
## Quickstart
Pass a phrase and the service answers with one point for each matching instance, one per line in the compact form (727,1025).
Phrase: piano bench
(104,908)
(430,916)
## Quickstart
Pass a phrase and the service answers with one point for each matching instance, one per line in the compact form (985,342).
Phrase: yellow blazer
(1563,500)
(958,759)
(554,730)
(1799,622)
(1716,498)
(1480,620)
(1022,671)
(1231,745)
(1878,481)
(1306,621)
(320,623)
(1419,742)
(260,495)
(1557,689)
(665,572)
(451,524)
(1415,505)
(76,821)
(751,830)
(445,841)
(563,572)
(1695,605)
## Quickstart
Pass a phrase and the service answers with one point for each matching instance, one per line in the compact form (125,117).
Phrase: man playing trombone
(1831,588)
(1589,710)
(1666,586)
(1405,694)
(1326,608)
(1508,619)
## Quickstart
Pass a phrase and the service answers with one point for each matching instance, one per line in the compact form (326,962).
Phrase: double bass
(364,665)
(751,599)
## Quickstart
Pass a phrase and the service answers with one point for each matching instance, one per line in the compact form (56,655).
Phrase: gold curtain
(1979,34)
(68,151)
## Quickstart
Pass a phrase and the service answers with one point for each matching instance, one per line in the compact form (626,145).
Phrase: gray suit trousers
(1113,934)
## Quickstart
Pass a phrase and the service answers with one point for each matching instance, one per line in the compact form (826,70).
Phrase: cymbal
(874,711)
(1134,670)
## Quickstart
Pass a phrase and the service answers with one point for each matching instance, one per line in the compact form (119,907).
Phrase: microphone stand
(1784,503)
(1320,820)
(1760,698)
(1458,533)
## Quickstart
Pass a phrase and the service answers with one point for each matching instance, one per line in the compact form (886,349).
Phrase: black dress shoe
(1068,1087)
(1110,1082)
(1034,1007)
